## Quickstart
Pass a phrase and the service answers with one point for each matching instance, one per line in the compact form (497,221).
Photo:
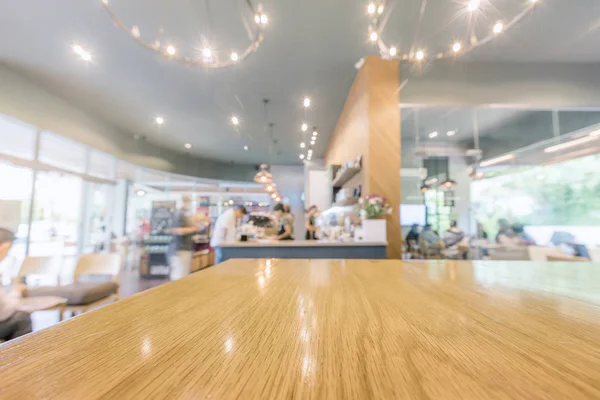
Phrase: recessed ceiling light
(306,102)
(433,134)
(450,133)
(171,50)
(234,56)
(304,127)
(302,156)
(246,148)
(235,120)
(188,146)
(315,133)
(302,145)
(140,193)
(160,120)
(312,142)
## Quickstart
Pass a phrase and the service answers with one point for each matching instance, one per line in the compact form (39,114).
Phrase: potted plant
(373,210)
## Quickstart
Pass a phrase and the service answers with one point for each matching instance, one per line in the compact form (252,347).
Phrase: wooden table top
(326,329)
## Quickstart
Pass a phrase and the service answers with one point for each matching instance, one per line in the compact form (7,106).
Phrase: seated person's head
(6,239)
(518,228)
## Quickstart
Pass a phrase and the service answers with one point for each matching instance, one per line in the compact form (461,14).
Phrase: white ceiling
(310,48)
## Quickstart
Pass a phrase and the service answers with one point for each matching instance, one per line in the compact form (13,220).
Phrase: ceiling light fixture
(254,31)
(140,193)
(306,102)
(206,52)
(380,9)
(432,135)
(304,127)
(77,49)
(589,138)
(448,183)
(302,145)
(302,156)
(159,120)
(235,120)
(450,133)
(498,27)
(420,55)
(263,175)
(188,146)
(472,5)
(453,49)
(246,148)
(497,160)
(312,142)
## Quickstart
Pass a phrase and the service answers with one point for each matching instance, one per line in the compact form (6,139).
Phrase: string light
(380,9)
(77,49)
(235,120)
(379,22)
(302,145)
(306,102)
(473,5)
(159,120)
(450,133)
(432,135)
(315,133)
(498,27)
(302,156)
(312,142)
(209,60)
(304,127)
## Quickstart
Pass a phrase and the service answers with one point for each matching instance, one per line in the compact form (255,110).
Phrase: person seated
(429,236)
(13,323)
(454,235)
(413,235)
(522,238)
(506,236)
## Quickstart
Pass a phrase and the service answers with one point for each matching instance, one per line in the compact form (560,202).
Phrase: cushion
(77,294)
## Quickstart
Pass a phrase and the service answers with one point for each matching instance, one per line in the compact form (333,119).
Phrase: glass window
(98,227)
(56,214)
(101,165)
(62,153)
(17,138)
(15,201)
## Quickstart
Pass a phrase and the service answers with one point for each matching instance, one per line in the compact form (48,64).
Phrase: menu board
(162,216)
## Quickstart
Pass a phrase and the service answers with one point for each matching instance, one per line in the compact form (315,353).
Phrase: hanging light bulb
(171,50)
(420,55)
(263,175)
(498,27)
(371,8)
(206,52)
(448,183)
(235,120)
(234,56)
(424,188)
(473,5)
(380,9)
(302,145)
(306,102)
(304,127)
(393,51)
(373,36)
(456,47)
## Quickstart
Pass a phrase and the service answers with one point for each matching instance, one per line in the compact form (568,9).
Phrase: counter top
(301,243)
(325,329)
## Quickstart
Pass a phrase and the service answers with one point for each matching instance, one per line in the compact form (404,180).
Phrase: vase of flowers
(373,210)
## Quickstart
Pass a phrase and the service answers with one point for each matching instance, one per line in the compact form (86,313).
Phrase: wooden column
(370,125)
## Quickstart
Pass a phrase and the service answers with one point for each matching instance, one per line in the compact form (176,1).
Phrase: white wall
(26,101)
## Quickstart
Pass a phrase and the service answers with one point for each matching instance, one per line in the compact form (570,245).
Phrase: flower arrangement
(374,206)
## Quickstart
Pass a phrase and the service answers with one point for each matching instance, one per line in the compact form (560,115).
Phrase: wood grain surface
(322,329)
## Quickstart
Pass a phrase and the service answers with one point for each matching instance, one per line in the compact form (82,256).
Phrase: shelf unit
(345,176)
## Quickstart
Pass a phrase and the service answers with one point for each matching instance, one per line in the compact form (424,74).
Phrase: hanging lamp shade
(424,188)
(263,175)
(448,183)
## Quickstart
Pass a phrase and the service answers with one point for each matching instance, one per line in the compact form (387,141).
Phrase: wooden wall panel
(370,125)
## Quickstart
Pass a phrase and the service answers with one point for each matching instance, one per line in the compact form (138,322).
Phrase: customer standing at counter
(311,229)
(286,224)
(224,230)
(181,248)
